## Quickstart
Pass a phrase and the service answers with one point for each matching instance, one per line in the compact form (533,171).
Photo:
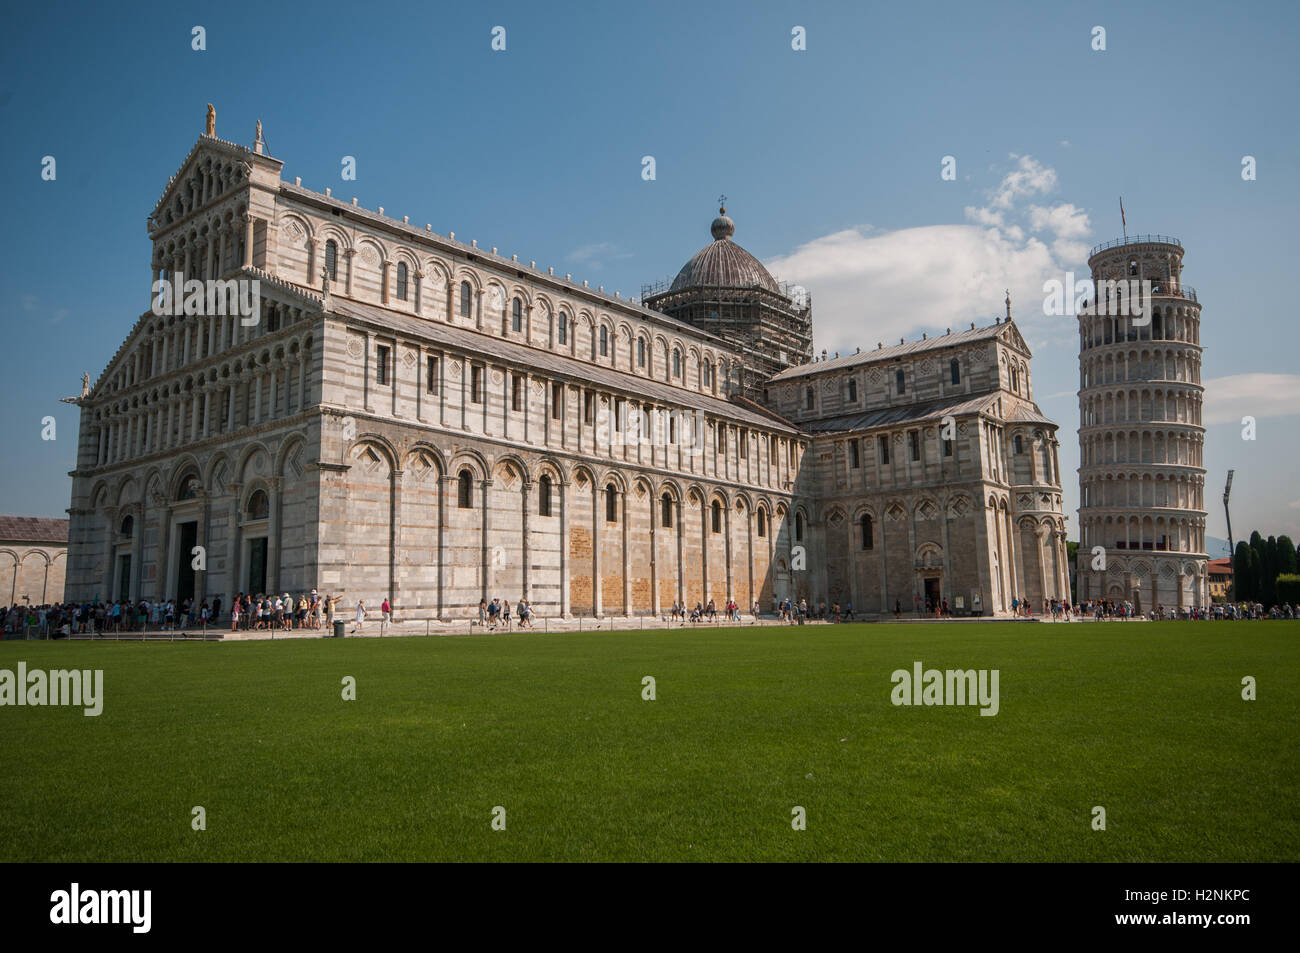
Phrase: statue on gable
(212,122)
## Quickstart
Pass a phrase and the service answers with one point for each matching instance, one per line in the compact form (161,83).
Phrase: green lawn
(1146,720)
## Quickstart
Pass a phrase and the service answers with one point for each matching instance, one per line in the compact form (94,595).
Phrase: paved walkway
(430,627)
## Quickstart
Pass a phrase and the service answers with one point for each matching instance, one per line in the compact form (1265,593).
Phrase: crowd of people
(312,611)
(497,613)
(681,613)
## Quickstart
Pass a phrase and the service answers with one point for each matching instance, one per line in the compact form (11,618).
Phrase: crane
(1232,550)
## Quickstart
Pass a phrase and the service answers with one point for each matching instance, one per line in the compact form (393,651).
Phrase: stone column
(655,520)
(597,517)
(749,549)
(945,591)
(234,541)
(110,516)
(706,511)
(395,539)
(248,241)
(201,539)
(627,574)
(445,484)
(486,560)
(275,531)
(564,548)
(726,531)
(303,360)
(681,552)
(526,549)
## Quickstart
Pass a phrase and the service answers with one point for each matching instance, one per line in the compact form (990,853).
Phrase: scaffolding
(771,330)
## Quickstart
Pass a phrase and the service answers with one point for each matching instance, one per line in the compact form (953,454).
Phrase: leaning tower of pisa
(1141,442)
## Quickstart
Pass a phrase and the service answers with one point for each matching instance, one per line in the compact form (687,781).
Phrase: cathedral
(393,413)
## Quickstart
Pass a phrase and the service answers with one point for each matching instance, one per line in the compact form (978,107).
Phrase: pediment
(227,160)
(1010,336)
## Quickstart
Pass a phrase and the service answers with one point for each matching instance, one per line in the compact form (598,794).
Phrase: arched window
(954,371)
(466,294)
(464,490)
(332,259)
(717,516)
(259,508)
(677,363)
(401,280)
(516,315)
(128,525)
(1020,447)
(853,391)
(611,504)
(798,527)
(564,328)
(544,495)
(762,522)
(640,352)
(666,510)
(708,374)
(868,538)
(1015,380)
(900,382)
(808,398)
(604,341)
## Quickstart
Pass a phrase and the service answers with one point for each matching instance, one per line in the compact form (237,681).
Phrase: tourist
(385,616)
(361,615)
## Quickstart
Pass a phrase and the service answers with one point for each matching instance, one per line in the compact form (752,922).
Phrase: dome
(724,264)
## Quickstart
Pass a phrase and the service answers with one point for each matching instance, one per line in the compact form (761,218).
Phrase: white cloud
(1029,177)
(872,286)
(1228,399)
(984,216)
(1064,220)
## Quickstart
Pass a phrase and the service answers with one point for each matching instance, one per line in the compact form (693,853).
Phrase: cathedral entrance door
(187,537)
(257,566)
(932,590)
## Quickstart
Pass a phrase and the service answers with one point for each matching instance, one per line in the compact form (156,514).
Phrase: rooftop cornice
(454,248)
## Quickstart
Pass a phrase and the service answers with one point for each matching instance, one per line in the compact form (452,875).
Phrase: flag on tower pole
(1122,219)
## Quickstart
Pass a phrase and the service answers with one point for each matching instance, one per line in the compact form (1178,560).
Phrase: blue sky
(830,158)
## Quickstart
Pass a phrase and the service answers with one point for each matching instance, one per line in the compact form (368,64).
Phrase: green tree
(1257,566)
(1270,571)
(1242,579)
(1286,558)
(1288,588)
